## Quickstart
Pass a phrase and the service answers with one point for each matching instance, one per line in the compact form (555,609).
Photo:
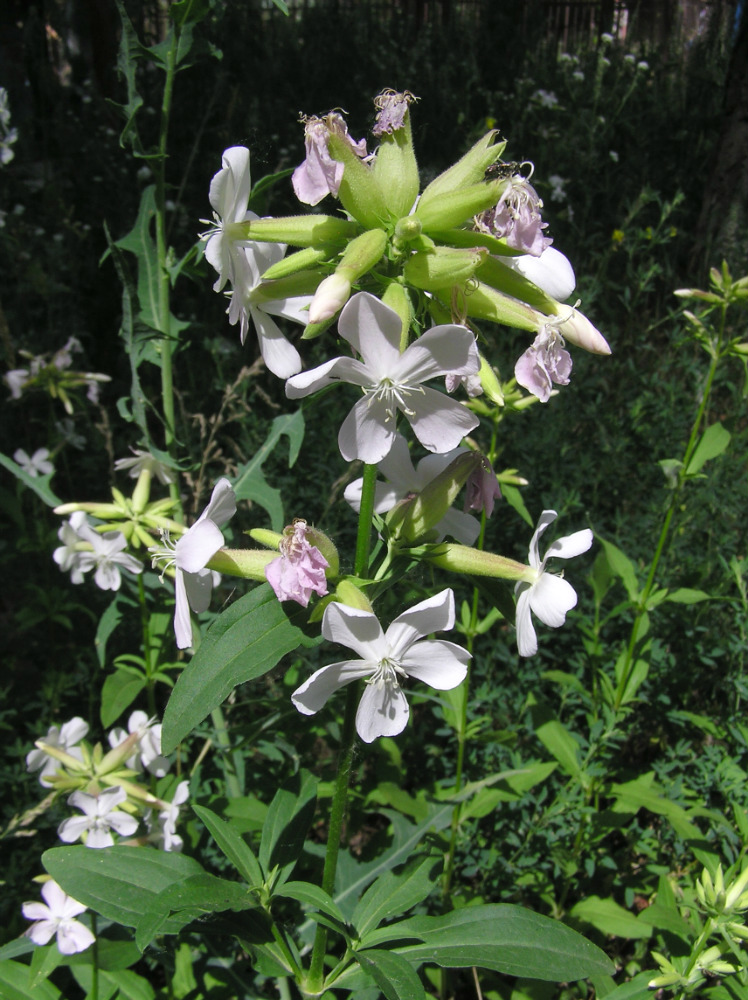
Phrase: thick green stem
(366,512)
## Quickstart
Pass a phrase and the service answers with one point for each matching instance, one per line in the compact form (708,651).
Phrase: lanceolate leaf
(395,977)
(394,894)
(508,939)
(246,641)
(287,824)
(233,845)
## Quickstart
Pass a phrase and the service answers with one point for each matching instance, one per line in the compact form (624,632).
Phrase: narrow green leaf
(233,845)
(607,916)
(312,895)
(714,441)
(39,484)
(621,566)
(395,977)
(555,737)
(508,939)
(15,984)
(243,643)
(287,824)
(119,691)
(635,989)
(394,894)
(250,482)
(684,595)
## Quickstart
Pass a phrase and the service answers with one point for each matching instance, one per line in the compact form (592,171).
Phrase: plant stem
(366,511)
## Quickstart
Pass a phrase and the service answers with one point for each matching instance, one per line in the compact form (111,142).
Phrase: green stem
(366,512)
(147,647)
(233,785)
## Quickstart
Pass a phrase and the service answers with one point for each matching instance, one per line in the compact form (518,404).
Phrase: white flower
(104,552)
(100,817)
(193,583)
(34,465)
(163,833)
(144,460)
(148,753)
(56,918)
(404,480)
(391,381)
(386,658)
(16,379)
(243,263)
(551,271)
(546,98)
(64,738)
(549,596)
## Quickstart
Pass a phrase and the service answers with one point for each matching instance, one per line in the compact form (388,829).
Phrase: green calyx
(413,519)
(449,209)
(300,230)
(360,193)
(396,170)
(442,267)
(469,169)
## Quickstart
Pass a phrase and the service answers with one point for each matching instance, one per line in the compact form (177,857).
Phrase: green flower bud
(443,211)
(470,238)
(397,299)
(441,267)
(490,382)
(484,302)
(496,274)
(361,254)
(351,595)
(474,562)
(106,511)
(360,193)
(271,539)
(396,169)
(142,492)
(303,283)
(301,260)
(299,230)
(408,228)
(470,169)
(247,563)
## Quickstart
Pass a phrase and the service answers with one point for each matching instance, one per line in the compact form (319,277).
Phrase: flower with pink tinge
(64,738)
(548,596)
(148,747)
(392,106)
(100,817)
(55,917)
(392,381)
(516,218)
(385,660)
(482,488)
(193,582)
(299,569)
(319,174)
(544,363)
(472,383)
(404,480)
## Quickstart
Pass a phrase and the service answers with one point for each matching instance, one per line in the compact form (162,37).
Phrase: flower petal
(382,711)
(368,432)
(41,932)
(442,350)
(198,545)
(439,422)
(221,507)
(314,692)
(73,937)
(571,545)
(199,588)
(229,189)
(546,518)
(182,620)
(436,662)
(356,629)
(278,353)
(527,640)
(336,370)
(373,330)
(435,614)
(550,598)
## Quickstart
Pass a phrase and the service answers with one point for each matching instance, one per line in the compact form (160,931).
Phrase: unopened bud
(499,274)
(443,211)
(490,382)
(412,519)
(470,169)
(442,267)
(293,263)
(299,230)
(247,563)
(349,594)
(475,562)
(484,302)
(329,299)
(360,193)
(578,330)
(397,299)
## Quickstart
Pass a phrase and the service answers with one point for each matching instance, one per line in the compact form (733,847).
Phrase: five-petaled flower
(38,464)
(550,597)
(56,917)
(147,753)
(544,363)
(193,583)
(100,817)
(63,738)
(300,567)
(391,381)
(162,829)
(385,660)
(84,549)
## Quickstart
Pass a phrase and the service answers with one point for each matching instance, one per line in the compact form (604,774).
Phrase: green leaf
(607,916)
(312,895)
(508,939)
(684,595)
(122,883)
(233,845)
(281,5)
(636,989)
(287,824)
(250,482)
(125,984)
(15,984)
(714,441)
(189,11)
(39,484)
(130,50)
(205,893)
(555,737)
(243,643)
(118,692)
(394,976)
(515,499)
(394,894)
(621,566)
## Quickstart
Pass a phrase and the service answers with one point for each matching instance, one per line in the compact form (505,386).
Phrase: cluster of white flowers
(83,549)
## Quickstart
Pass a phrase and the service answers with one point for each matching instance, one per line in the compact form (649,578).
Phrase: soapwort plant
(403,292)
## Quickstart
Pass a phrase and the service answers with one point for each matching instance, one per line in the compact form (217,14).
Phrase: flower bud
(484,302)
(301,260)
(247,563)
(408,228)
(292,286)
(490,383)
(506,279)
(442,267)
(395,166)
(271,539)
(470,169)
(397,299)
(361,254)
(578,330)
(142,492)
(330,297)
(348,593)
(444,211)
(299,230)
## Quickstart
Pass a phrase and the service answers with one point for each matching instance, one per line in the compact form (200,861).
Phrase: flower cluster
(83,549)
(52,373)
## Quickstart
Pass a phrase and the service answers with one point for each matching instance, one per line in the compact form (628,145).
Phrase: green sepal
(484,302)
(298,230)
(359,192)
(475,562)
(396,169)
(504,279)
(301,260)
(303,283)
(453,208)
(442,267)
(470,169)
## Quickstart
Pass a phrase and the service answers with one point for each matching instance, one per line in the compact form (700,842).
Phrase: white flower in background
(34,465)
(403,480)
(55,917)
(551,271)
(84,549)
(392,381)
(577,75)
(613,155)
(385,660)
(8,135)
(545,98)
(162,833)
(64,738)
(144,460)
(557,183)
(16,379)
(549,597)
(148,749)
(242,263)
(100,817)
(193,583)
(66,429)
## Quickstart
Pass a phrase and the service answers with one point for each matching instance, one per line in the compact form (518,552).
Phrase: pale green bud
(299,230)
(668,979)
(484,302)
(303,283)
(360,193)
(349,594)
(397,299)
(105,511)
(264,536)
(443,211)
(474,562)
(301,260)
(442,267)
(247,563)
(736,890)
(361,254)
(577,329)
(490,382)
(408,228)
(470,169)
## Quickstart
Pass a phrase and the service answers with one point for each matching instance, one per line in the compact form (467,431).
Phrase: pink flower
(482,488)
(319,174)
(544,364)
(391,110)
(516,218)
(299,569)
